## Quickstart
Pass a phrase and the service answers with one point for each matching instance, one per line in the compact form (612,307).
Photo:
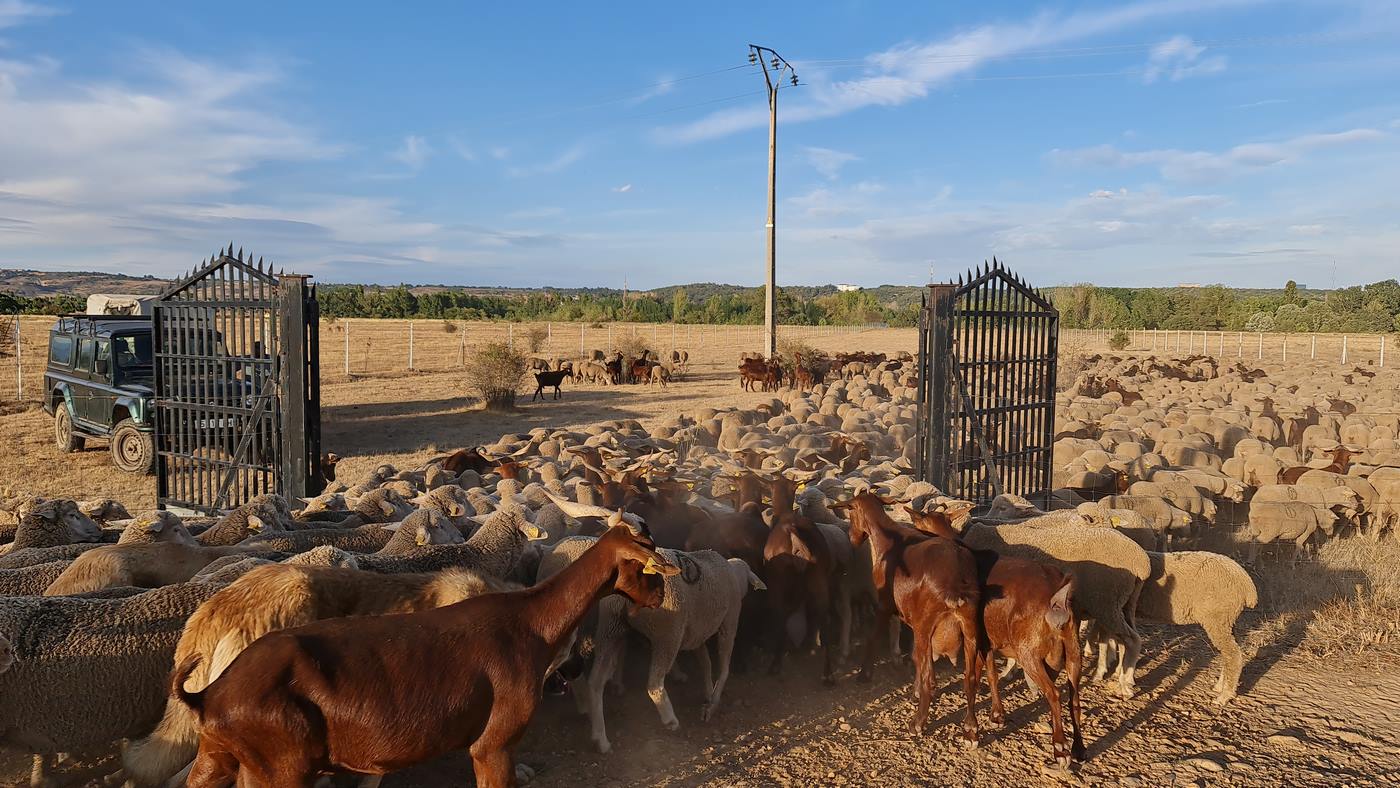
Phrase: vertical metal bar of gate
(939,342)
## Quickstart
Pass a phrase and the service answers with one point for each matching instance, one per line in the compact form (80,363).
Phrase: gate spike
(240,254)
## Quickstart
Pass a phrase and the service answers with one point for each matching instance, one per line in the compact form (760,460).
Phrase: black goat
(552,378)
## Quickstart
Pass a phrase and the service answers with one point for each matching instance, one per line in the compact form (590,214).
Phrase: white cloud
(623,189)
(908,72)
(1307,229)
(563,161)
(462,149)
(16,12)
(500,153)
(828,162)
(665,85)
(191,130)
(1204,165)
(413,153)
(1178,58)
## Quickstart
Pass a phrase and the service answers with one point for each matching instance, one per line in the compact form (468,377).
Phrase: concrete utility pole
(773,69)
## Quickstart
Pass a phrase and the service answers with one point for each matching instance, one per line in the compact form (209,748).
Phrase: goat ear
(656,566)
(912,511)
(1058,614)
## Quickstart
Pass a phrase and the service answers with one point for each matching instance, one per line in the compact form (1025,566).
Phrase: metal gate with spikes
(237,385)
(988,347)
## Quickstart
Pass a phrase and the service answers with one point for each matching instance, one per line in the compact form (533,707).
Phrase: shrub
(535,337)
(494,373)
(449,327)
(1119,340)
(791,347)
(7,337)
(633,345)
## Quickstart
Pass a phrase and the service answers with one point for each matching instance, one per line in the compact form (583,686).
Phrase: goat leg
(998,714)
(879,630)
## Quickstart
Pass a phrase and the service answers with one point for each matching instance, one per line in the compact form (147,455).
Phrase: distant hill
(76,283)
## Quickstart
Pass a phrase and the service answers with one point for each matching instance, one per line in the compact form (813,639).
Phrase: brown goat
(932,584)
(357,695)
(797,568)
(1027,616)
(1341,462)
(462,459)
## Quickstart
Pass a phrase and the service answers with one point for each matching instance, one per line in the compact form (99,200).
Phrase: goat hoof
(969,740)
(706,712)
(997,718)
(671,725)
(604,746)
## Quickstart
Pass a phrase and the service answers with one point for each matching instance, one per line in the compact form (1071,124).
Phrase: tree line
(1370,309)
(673,305)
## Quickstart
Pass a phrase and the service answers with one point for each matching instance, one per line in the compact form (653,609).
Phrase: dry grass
(495,373)
(1346,601)
(1074,359)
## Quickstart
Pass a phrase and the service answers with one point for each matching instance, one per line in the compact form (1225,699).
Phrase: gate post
(936,340)
(292,380)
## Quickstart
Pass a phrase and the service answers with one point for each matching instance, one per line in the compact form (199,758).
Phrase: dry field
(1320,694)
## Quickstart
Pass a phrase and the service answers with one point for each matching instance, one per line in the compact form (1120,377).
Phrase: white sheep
(701,604)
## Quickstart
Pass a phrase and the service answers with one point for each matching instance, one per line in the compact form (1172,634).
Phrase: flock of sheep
(105,605)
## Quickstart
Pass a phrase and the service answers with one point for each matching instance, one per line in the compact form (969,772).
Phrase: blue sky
(1134,143)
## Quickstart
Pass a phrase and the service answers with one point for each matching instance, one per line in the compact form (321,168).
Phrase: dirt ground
(1302,719)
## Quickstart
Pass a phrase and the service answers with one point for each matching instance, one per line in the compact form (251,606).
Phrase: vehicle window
(85,347)
(102,362)
(60,349)
(132,351)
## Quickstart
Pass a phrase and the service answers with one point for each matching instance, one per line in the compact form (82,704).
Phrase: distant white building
(848,288)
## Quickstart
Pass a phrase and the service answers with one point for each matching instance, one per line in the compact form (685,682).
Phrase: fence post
(1344,348)
(19,362)
(1382,350)
(583,353)
(410,346)
(1285,348)
(610,344)
(347,347)
(1241,349)
(1314,347)
(549,331)
(462,349)
(510,335)
(1261,344)
(1222,344)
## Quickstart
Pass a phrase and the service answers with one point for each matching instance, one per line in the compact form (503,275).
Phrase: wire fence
(361,346)
(369,347)
(1364,349)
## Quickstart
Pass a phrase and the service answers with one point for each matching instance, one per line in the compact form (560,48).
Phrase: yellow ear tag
(801,486)
(421,538)
(1116,520)
(651,567)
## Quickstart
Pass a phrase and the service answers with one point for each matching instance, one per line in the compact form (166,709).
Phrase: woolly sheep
(148,565)
(701,604)
(424,527)
(494,549)
(1204,588)
(30,580)
(1295,520)
(228,569)
(265,513)
(52,524)
(156,526)
(62,639)
(1109,570)
(276,597)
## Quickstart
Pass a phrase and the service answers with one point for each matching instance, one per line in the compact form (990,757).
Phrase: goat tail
(193,700)
(175,741)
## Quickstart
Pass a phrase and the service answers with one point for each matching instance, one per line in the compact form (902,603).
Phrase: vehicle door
(83,390)
(104,397)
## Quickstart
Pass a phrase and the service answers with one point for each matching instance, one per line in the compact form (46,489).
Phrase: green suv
(100,380)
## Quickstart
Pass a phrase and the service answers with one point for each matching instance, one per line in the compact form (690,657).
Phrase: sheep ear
(421,538)
(755,583)
(255,523)
(455,510)
(158,525)
(386,507)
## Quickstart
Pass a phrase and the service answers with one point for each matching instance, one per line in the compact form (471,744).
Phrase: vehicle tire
(63,434)
(133,451)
